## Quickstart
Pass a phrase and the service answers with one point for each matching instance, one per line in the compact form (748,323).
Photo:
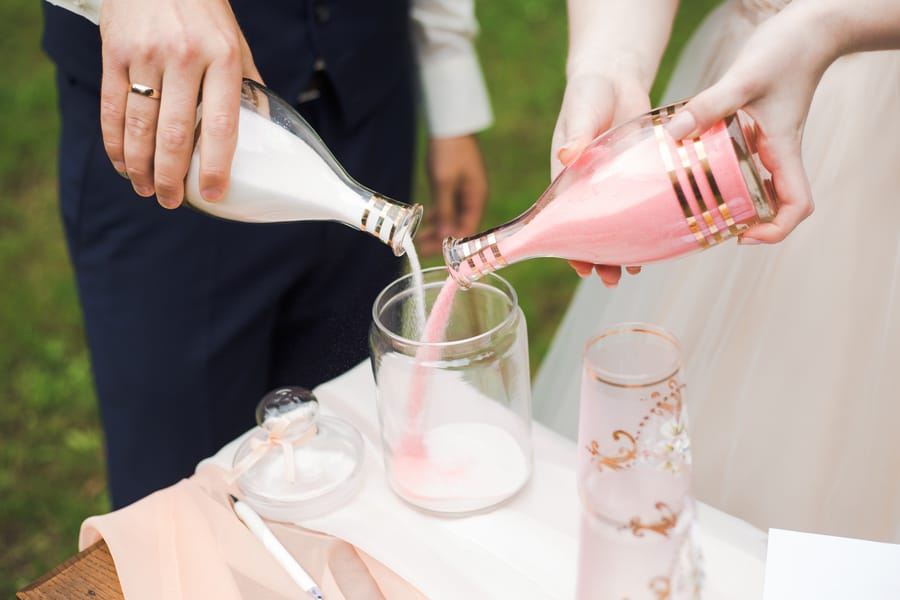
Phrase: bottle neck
(471,258)
(391,222)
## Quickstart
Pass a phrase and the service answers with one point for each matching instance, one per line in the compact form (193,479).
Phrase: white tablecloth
(526,549)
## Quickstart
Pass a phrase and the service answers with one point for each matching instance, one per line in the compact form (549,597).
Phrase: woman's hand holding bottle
(773,79)
(614,52)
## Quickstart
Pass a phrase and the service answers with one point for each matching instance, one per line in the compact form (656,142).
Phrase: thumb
(587,109)
(705,109)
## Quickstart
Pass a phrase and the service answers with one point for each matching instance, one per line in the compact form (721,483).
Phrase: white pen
(259,528)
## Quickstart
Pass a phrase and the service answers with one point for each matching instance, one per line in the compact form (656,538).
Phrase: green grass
(51,470)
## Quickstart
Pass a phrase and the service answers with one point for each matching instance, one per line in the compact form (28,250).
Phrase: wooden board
(90,574)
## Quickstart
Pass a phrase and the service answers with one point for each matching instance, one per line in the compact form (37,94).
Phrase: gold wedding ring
(146,91)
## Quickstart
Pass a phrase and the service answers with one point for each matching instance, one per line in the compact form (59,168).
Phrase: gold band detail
(492,240)
(669,165)
(474,267)
(393,213)
(370,206)
(717,193)
(707,218)
(381,218)
(686,165)
(479,250)
(597,377)
(146,91)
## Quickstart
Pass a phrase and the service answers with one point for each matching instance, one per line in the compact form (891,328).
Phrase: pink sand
(625,211)
(434,331)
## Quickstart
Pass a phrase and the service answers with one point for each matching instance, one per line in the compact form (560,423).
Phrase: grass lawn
(51,459)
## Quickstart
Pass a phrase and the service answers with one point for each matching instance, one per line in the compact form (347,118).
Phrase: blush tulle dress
(792,351)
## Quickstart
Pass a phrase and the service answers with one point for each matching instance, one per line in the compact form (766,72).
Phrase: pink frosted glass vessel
(634,470)
(634,196)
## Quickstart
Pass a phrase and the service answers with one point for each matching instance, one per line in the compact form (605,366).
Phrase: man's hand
(182,51)
(459,188)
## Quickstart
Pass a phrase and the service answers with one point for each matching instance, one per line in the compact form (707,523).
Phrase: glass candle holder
(634,470)
(455,414)
(297,464)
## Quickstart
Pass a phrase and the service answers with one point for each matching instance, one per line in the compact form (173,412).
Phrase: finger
(218,132)
(609,274)
(706,109)
(584,269)
(113,99)
(633,270)
(175,134)
(141,116)
(570,152)
(587,109)
(791,188)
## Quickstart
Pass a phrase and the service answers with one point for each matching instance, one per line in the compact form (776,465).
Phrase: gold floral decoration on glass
(671,451)
(668,520)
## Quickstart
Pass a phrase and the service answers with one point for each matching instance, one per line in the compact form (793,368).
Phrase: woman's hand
(183,51)
(614,52)
(773,80)
(592,104)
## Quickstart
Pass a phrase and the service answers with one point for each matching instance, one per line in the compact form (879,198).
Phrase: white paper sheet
(806,565)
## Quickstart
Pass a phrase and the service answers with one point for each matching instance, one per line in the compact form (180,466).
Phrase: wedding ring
(144,90)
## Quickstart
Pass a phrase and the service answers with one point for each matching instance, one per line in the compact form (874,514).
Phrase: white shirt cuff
(454,93)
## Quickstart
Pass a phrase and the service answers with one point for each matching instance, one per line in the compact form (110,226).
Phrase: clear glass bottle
(634,196)
(282,171)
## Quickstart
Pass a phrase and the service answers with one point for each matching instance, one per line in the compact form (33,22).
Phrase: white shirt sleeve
(453,89)
(89,9)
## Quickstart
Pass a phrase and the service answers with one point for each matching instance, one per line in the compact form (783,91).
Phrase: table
(529,544)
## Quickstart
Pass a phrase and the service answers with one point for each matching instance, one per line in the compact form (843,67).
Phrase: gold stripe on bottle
(479,250)
(381,218)
(686,165)
(393,213)
(707,218)
(371,205)
(492,240)
(669,164)
(717,194)
(466,252)
(474,267)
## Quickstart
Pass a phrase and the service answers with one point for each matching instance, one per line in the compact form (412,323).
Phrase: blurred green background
(51,458)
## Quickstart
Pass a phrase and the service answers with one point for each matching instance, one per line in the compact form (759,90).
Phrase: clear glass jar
(455,413)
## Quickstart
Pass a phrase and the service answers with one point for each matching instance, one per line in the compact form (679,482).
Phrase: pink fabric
(186,542)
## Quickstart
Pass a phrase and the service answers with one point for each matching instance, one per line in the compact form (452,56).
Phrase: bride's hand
(773,80)
(594,102)
(614,52)
(180,50)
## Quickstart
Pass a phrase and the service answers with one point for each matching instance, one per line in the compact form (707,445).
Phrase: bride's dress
(792,351)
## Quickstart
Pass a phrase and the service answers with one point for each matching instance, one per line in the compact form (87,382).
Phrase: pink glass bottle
(634,196)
